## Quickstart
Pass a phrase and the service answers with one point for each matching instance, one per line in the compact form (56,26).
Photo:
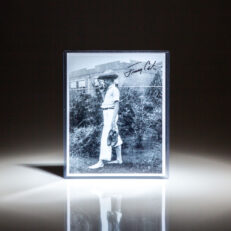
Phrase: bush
(85,124)
(85,141)
(140,114)
(84,110)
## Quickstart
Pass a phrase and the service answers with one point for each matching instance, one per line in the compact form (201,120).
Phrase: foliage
(85,141)
(154,95)
(85,124)
(140,113)
(84,110)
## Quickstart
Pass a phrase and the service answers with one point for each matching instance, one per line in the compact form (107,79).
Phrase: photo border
(167,119)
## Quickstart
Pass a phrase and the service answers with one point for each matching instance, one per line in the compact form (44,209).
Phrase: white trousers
(105,150)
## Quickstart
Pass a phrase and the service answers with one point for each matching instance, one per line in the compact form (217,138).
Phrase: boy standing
(110,108)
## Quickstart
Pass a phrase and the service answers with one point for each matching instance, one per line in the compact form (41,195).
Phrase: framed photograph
(116,114)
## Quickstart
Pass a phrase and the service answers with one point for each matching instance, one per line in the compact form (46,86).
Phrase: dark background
(35,33)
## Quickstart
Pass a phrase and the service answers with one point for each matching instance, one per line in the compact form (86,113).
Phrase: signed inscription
(132,69)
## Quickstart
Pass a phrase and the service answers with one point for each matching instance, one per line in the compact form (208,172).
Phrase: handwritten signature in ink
(133,68)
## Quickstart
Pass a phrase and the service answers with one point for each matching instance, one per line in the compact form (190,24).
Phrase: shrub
(85,124)
(85,141)
(84,110)
(140,113)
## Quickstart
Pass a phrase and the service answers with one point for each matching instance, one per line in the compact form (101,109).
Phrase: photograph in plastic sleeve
(116,114)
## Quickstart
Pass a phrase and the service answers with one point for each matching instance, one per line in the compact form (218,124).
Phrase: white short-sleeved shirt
(112,95)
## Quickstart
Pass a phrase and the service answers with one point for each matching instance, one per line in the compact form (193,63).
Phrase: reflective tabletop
(34,196)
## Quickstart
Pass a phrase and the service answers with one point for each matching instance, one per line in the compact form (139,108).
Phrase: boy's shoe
(100,164)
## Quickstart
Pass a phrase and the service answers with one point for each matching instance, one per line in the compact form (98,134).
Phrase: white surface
(197,193)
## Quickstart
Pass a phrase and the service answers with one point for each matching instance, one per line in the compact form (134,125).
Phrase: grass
(134,161)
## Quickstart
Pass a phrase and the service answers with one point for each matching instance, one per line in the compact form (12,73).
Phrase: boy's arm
(116,110)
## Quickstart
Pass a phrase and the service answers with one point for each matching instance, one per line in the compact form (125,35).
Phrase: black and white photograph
(116,113)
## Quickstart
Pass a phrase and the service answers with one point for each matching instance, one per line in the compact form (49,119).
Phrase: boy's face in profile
(107,83)
(101,84)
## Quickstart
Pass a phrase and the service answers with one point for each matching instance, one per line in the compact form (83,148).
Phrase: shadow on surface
(53,169)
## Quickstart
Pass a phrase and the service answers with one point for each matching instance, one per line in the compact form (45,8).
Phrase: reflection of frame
(116,112)
(115,208)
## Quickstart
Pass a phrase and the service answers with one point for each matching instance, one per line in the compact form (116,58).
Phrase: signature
(133,68)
